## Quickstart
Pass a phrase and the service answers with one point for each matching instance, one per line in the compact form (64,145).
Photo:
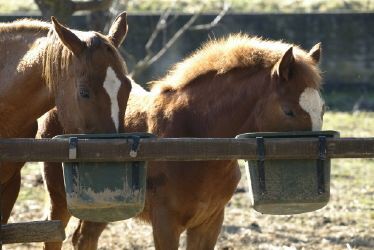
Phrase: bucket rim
(106,136)
(291,134)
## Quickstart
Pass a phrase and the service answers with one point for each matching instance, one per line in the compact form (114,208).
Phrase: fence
(158,149)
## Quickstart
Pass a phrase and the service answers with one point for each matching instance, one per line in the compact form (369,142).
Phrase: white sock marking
(112,85)
(311,101)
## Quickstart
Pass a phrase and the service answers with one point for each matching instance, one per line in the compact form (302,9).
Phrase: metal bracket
(134,146)
(261,163)
(135,165)
(73,143)
(135,174)
(322,151)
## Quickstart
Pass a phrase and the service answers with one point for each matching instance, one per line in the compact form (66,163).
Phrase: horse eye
(83,92)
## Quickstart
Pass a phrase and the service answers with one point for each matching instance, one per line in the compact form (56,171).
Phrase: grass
(356,124)
(357,173)
(32,188)
(256,6)
(17,6)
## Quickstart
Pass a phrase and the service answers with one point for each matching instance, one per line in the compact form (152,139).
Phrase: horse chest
(8,128)
(201,186)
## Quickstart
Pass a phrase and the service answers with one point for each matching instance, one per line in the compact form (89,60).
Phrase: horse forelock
(94,41)
(234,51)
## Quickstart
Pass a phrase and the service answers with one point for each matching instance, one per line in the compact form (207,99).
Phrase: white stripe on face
(312,103)
(112,85)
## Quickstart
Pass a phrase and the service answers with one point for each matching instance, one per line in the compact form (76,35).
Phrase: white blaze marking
(112,85)
(312,103)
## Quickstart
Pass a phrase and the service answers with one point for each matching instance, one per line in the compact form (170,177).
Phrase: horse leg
(205,235)
(166,230)
(53,179)
(86,236)
(10,178)
(10,188)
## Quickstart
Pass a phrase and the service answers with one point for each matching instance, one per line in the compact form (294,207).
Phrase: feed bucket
(288,186)
(105,191)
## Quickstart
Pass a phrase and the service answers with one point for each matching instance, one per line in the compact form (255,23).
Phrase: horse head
(88,78)
(293,100)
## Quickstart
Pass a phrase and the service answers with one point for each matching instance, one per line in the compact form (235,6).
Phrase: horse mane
(24,25)
(234,51)
(54,55)
(56,60)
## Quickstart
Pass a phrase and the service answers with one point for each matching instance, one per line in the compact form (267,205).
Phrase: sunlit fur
(235,51)
(23,25)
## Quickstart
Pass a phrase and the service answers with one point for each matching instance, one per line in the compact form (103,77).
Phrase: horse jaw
(311,102)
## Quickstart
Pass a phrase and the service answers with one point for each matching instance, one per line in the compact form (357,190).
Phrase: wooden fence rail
(35,231)
(181,149)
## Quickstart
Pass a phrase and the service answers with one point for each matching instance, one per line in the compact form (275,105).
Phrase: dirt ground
(347,222)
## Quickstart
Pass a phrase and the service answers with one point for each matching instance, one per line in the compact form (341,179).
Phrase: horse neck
(136,112)
(211,106)
(23,92)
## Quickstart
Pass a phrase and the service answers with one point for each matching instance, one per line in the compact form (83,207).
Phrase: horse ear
(68,38)
(118,30)
(285,64)
(315,52)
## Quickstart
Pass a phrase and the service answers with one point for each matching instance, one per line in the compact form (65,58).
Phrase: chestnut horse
(229,86)
(45,65)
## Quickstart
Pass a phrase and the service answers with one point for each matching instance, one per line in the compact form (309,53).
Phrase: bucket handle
(261,163)
(134,146)
(73,144)
(322,151)
(135,165)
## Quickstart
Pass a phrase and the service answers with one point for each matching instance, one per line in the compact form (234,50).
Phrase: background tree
(168,15)
(64,9)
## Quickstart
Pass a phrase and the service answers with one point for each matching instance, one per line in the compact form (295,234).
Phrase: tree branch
(162,24)
(149,59)
(216,20)
(175,37)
